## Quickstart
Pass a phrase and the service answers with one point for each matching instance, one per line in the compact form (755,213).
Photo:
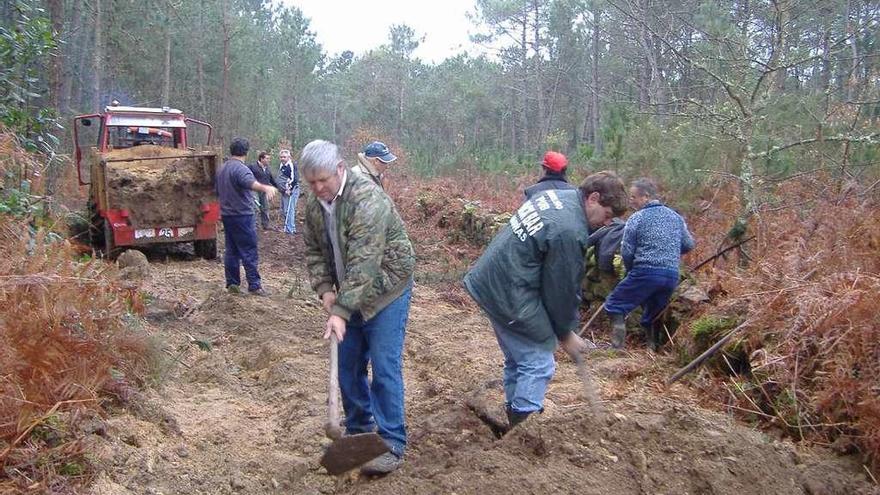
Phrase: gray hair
(646,187)
(284,152)
(318,156)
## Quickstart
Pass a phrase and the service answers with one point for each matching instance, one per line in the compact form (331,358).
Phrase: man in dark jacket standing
(554,166)
(263,175)
(234,183)
(528,278)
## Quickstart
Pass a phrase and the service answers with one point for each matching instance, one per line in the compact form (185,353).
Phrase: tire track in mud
(248,415)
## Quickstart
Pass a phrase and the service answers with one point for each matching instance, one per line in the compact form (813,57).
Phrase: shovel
(592,395)
(350,451)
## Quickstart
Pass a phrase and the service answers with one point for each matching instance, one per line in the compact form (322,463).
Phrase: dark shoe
(383,464)
(259,292)
(233,289)
(618,329)
(514,417)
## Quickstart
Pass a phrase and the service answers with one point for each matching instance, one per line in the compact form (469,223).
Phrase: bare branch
(842,138)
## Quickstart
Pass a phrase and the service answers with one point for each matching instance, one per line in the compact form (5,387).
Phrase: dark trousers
(241,249)
(264,210)
(645,287)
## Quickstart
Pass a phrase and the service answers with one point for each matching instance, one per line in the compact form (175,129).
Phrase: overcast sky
(360,26)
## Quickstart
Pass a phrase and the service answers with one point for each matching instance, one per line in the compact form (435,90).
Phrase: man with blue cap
(373,162)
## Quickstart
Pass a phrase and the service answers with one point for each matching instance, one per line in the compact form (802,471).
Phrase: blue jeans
(285,199)
(527,370)
(241,249)
(289,206)
(262,209)
(649,288)
(376,406)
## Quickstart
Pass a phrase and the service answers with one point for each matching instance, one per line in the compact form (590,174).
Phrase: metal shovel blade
(352,451)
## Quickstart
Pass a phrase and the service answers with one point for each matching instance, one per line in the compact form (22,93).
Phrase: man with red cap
(554,175)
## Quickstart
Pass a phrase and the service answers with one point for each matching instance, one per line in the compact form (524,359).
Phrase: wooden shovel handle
(332,428)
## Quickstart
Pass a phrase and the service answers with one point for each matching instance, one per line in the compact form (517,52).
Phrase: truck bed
(159,186)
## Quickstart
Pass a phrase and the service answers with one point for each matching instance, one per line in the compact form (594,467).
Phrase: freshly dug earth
(247,415)
(159,192)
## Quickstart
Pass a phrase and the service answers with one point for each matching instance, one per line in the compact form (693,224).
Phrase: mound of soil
(245,388)
(161,187)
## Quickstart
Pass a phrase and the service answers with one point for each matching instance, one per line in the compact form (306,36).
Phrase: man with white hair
(288,180)
(360,262)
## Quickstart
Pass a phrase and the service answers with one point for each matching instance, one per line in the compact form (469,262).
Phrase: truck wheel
(206,249)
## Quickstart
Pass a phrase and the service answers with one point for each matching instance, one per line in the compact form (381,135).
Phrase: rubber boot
(514,418)
(618,329)
(652,337)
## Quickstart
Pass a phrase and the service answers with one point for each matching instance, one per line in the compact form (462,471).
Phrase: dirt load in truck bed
(162,187)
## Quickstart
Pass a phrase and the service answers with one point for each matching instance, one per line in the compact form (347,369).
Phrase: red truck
(148,183)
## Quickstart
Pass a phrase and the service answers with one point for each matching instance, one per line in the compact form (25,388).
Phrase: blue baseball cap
(378,150)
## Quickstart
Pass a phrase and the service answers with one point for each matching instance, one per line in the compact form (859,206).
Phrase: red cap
(554,161)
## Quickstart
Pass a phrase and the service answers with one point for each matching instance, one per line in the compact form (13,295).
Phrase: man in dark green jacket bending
(527,283)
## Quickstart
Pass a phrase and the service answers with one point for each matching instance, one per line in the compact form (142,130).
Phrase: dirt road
(240,406)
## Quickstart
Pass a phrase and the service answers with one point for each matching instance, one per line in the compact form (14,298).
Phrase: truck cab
(148,182)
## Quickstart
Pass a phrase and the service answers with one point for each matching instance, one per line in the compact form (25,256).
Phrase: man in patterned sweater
(654,239)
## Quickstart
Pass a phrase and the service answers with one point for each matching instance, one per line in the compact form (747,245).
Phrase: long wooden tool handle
(590,321)
(592,395)
(332,428)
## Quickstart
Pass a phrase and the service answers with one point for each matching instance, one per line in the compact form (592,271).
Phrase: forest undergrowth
(70,341)
(807,360)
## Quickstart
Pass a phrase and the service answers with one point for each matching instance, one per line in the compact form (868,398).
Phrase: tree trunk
(335,128)
(782,18)
(400,92)
(56,66)
(652,86)
(537,73)
(74,50)
(98,56)
(595,135)
(200,65)
(83,67)
(224,95)
(854,45)
(295,110)
(166,87)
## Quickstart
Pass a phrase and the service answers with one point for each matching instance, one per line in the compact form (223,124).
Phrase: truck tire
(206,249)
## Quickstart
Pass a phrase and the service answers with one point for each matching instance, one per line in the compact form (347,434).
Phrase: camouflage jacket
(364,167)
(376,252)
